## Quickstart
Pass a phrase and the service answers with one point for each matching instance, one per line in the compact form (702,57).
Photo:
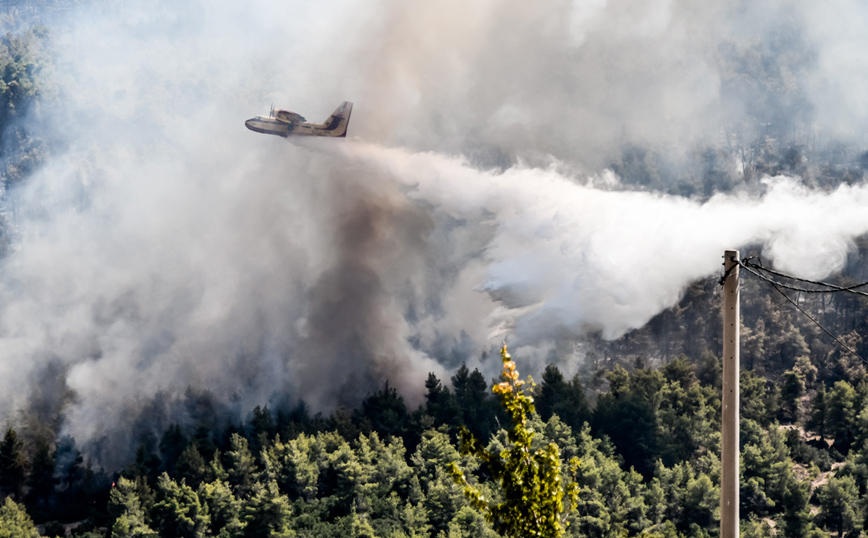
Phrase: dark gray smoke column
(354,334)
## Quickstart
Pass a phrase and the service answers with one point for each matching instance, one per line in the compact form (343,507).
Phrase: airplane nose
(248,125)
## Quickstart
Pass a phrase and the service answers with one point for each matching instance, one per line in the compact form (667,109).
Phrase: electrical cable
(751,268)
(834,289)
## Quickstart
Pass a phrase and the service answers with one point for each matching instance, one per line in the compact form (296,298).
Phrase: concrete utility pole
(729,424)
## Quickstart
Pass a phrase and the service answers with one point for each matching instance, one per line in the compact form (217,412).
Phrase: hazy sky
(163,246)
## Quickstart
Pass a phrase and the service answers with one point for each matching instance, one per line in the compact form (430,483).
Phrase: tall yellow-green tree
(531,482)
(14,521)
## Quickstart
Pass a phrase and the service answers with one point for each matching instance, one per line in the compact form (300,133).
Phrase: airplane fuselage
(285,123)
(266,125)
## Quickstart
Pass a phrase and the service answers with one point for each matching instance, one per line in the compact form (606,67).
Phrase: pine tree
(838,500)
(41,479)
(178,512)
(191,466)
(14,521)
(471,395)
(841,415)
(817,420)
(223,507)
(797,511)
(386,412)
(262,428)
(792,390)
(240,466)
(69,464)
(13,465)
(172,444)
(627,414)
(130,510)
(440,403)
(562,398)
(266,512)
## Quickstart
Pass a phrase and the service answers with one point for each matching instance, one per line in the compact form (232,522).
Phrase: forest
(648,452)
(641,416)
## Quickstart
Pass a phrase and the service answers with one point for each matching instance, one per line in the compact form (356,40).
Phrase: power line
(752,268)
(747,264)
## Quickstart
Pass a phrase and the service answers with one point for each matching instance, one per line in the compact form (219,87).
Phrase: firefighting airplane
(285,123)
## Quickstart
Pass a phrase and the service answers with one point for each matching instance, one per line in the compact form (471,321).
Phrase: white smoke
(163,246)
(591,259)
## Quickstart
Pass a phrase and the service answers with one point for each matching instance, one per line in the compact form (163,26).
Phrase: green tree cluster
(355,474)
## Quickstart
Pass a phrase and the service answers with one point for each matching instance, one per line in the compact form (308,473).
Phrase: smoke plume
(514,170)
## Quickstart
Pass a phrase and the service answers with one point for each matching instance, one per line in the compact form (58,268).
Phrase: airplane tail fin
(337,123)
